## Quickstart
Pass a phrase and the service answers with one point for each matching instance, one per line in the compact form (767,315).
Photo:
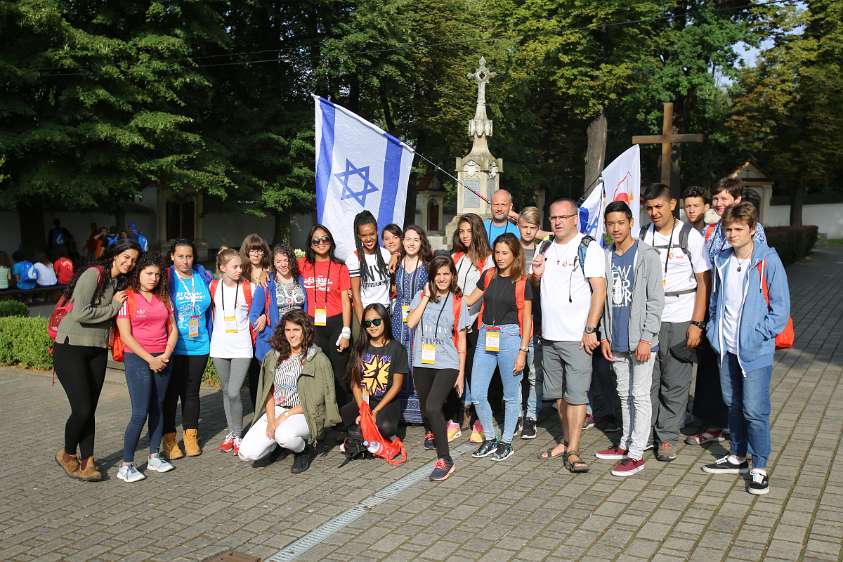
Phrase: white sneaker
(157,463)
(128,473)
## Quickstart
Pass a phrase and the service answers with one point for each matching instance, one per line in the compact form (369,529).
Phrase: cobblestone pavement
(521,509)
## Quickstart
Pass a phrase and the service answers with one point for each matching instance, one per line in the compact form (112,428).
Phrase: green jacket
(88,324)
(315,387)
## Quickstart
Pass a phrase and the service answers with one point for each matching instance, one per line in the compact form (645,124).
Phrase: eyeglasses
(318,241)
(562,217)
(255,251)
(369,323)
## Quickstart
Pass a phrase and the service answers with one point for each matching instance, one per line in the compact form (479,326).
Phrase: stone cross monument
(478,171)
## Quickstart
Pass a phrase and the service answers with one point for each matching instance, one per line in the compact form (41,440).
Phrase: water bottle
(372,446)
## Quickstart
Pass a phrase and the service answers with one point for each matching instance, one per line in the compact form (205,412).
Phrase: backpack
(62,308)
(520,288)
(64,270)
(115,342)
(247,292)
(581,250)
(29,271)
(457,309)
(684,233)
(785,339)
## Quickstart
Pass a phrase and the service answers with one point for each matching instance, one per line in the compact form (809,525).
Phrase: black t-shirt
(499,300)
(379,366)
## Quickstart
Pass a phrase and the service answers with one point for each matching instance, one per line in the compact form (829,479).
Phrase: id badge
(405,311)
(493,339)
(428,355)
(193,327)
(320,317)
(230,323)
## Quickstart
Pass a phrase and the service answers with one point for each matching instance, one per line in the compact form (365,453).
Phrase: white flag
(358,166)
(622,182)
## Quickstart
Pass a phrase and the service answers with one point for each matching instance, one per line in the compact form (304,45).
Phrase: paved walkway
(521,509)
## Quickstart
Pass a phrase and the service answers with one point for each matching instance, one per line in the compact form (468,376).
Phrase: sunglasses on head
(369,323)
(323,240)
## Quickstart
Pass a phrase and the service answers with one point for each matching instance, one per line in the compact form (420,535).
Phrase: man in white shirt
(686,279)
(571,275)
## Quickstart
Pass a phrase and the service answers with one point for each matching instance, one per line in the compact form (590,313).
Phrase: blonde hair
(531,215)
(224,255)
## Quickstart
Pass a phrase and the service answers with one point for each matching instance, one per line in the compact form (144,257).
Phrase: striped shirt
(287,373)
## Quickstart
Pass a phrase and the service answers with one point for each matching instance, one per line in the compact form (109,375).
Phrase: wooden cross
(667,139)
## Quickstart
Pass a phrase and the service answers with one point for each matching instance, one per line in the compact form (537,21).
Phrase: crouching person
(296,388)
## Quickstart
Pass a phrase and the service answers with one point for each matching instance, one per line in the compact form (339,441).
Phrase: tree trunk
(797,197)
(595,154)
(282,227)
(32,236)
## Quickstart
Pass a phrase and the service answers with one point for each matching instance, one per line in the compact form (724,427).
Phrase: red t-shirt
(149,322)
(64,270)
(324,282)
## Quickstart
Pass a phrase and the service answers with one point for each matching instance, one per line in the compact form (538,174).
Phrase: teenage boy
(685,279)
(726,193)
(696,203)
(750,305)
(630,333)
(529,224)
(571,273)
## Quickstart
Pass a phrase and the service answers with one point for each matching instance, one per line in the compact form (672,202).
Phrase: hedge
(13,308)
(24,342)
(792,242)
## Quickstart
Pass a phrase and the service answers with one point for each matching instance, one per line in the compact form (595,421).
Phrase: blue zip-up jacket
(758,324)
(206,277)
(259,302)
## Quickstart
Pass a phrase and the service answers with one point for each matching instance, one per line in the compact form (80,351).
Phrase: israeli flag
(358,166)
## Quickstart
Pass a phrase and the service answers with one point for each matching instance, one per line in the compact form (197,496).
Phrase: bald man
(501,211)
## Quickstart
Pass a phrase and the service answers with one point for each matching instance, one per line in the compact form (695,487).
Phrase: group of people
(314,337)
(25,274)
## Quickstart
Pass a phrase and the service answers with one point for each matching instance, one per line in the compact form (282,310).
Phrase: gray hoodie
(647,297)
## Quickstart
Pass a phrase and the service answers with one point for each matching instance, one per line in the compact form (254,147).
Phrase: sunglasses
(369,323)
(318,241)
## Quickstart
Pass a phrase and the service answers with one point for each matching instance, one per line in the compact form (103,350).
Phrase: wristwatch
(590,329)
(699,324)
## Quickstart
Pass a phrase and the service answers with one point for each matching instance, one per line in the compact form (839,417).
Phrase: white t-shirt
(376,286)
(46,275)
(732,300)
(564,318)
(231,340)
(467,277)
(680,273)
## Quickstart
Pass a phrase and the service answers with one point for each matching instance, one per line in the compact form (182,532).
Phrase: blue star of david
(347,191)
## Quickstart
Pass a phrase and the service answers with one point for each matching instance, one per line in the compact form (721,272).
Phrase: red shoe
(628,467)
(228,444)
(236,447)
(611,454)
(709,436)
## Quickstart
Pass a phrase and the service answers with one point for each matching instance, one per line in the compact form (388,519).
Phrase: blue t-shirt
(191,299)
(494,230)
(19,271)
(623,281)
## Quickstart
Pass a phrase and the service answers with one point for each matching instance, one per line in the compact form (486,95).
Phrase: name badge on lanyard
(320,317)
(193,327)
(229,317)
(405,311)
(428,356)
(493,339)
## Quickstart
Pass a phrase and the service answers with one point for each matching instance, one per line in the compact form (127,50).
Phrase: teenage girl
(254,253)
(149,333)
(368,266)
(231,340)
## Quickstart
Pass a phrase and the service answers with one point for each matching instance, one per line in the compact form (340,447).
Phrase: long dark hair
(516,270)
(479,250)
(435,265)
(105,263)
(310,255)
(291,258)
(151,259)
(279,342)
(356,363)
(425,252)
(181,242)
(254,242)
(361,219)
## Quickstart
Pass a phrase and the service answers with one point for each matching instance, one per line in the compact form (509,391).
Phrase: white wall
(829,218)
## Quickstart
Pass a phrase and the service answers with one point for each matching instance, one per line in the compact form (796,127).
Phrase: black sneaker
(759,484)
(301,461)
(529,429)
(503,452)
(429,443)
(486,448)
(442,469)
(724,466)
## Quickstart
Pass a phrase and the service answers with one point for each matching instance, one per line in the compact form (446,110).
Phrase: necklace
(741,263)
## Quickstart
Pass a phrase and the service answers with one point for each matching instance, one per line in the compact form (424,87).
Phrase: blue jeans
(747,397)
(481,375)
(535,378)
(147,391)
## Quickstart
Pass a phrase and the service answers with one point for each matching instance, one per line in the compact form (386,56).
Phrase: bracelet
(524,349)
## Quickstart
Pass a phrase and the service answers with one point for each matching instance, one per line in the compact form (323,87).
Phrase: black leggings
(185,379)
(454,406)
(387,419)
(81,371)
(433,387)
(326,339)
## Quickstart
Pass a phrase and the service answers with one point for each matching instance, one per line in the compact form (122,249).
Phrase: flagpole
(437,167)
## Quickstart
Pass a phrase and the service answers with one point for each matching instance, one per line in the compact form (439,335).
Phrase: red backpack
(62,309)
(520,288)
(785,339)
(115,342)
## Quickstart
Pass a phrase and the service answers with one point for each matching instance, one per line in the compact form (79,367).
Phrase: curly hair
(279,342)
(151,259)
(291,259)
(105,263)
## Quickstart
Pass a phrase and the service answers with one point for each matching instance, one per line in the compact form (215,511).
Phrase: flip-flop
(547,454)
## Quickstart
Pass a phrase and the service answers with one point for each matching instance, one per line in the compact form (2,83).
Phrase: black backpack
(684,233)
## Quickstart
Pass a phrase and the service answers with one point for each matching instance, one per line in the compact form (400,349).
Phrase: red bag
(115,342)
(62,309)
(786,338)
(392,452)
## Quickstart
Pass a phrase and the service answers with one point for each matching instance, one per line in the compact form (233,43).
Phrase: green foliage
(24,342)
(792,242)
(210,376)
(13,308)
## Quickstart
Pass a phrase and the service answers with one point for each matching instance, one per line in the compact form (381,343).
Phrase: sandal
(578,466)
(547,454)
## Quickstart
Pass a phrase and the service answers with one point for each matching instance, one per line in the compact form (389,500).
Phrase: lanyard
(669,246)
(412,290)
(441,310)
(222,295)
(191,291)
(316,284)
(464,259)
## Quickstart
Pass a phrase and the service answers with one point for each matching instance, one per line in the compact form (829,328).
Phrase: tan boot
(70,463)
(191,443)
(170,447)
(88,471)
